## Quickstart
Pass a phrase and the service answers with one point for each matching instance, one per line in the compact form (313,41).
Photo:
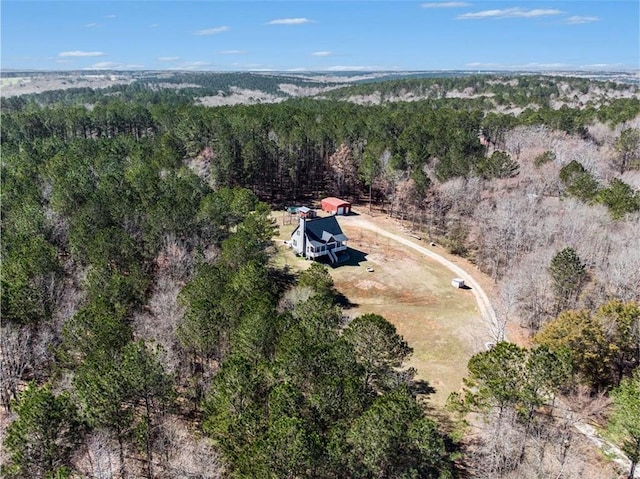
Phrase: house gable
(323,229)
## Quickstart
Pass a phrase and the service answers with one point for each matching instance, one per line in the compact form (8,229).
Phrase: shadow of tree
(344,302)
(420,386)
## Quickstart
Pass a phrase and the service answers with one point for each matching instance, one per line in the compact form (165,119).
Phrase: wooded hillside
(147,333)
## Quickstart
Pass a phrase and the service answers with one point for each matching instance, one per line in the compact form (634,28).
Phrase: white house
(317,237)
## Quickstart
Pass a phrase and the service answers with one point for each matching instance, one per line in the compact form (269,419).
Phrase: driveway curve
(482,300)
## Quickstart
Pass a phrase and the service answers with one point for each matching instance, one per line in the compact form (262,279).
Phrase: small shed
(307,213)
(336,206)
(457,283)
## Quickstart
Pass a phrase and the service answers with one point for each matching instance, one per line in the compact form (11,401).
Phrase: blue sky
(321,35)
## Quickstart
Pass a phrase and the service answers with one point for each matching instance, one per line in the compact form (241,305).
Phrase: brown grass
(440,323)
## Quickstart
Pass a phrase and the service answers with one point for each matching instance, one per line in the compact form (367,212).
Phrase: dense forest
(146,331)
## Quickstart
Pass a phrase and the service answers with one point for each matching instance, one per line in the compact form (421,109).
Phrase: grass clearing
(441,323)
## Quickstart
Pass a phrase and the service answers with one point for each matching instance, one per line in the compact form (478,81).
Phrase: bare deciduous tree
(343,170)
(158,321)
(16,359)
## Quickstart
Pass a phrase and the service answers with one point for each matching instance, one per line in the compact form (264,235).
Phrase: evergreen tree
(568,276)
(46,432)
(627,147)
(625,418)
(393,439)
(378,348)
(317,278)
(620,198)
(498,165)
(579,182)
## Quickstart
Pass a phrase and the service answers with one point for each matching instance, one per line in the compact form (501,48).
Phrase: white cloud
(481,65)
(445,4)
(168,59)
(604,66)
(289,21)
(106,66)
(544,66)
(350,68)
(110,16)
(510,13)
(322,54)
(577,20)
(91,25)
(195,65)
(522,66)
(114,66)
(154,25)
(232,52)
(212,31)
(251,66)
(78,53)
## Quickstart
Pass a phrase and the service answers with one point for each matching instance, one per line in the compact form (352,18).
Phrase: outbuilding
(336,206)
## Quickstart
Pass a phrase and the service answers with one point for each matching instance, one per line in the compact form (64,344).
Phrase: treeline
(166,88)
(270,148)
(286,147)
(520,90)
(213,83)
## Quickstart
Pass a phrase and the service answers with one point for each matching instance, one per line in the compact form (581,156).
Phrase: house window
(295,243)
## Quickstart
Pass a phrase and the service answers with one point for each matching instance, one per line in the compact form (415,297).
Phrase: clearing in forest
(442,324)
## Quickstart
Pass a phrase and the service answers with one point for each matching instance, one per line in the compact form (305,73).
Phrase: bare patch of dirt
(240,96)
(368,284)
(38,84)
(297,90)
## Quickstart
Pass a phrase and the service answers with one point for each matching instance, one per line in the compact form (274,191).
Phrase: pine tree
(625,420)
(568,275)
(44,435)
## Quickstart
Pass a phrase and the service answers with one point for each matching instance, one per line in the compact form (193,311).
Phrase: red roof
(335,202)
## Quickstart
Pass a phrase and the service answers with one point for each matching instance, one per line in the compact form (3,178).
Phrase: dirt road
(484,304)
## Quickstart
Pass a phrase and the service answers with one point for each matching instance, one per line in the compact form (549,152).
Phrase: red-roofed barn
(336,206)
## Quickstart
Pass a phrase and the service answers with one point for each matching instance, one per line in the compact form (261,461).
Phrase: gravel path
(484,304)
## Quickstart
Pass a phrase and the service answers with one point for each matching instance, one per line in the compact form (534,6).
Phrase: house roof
(322,229)
(335,202)
(326,236)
